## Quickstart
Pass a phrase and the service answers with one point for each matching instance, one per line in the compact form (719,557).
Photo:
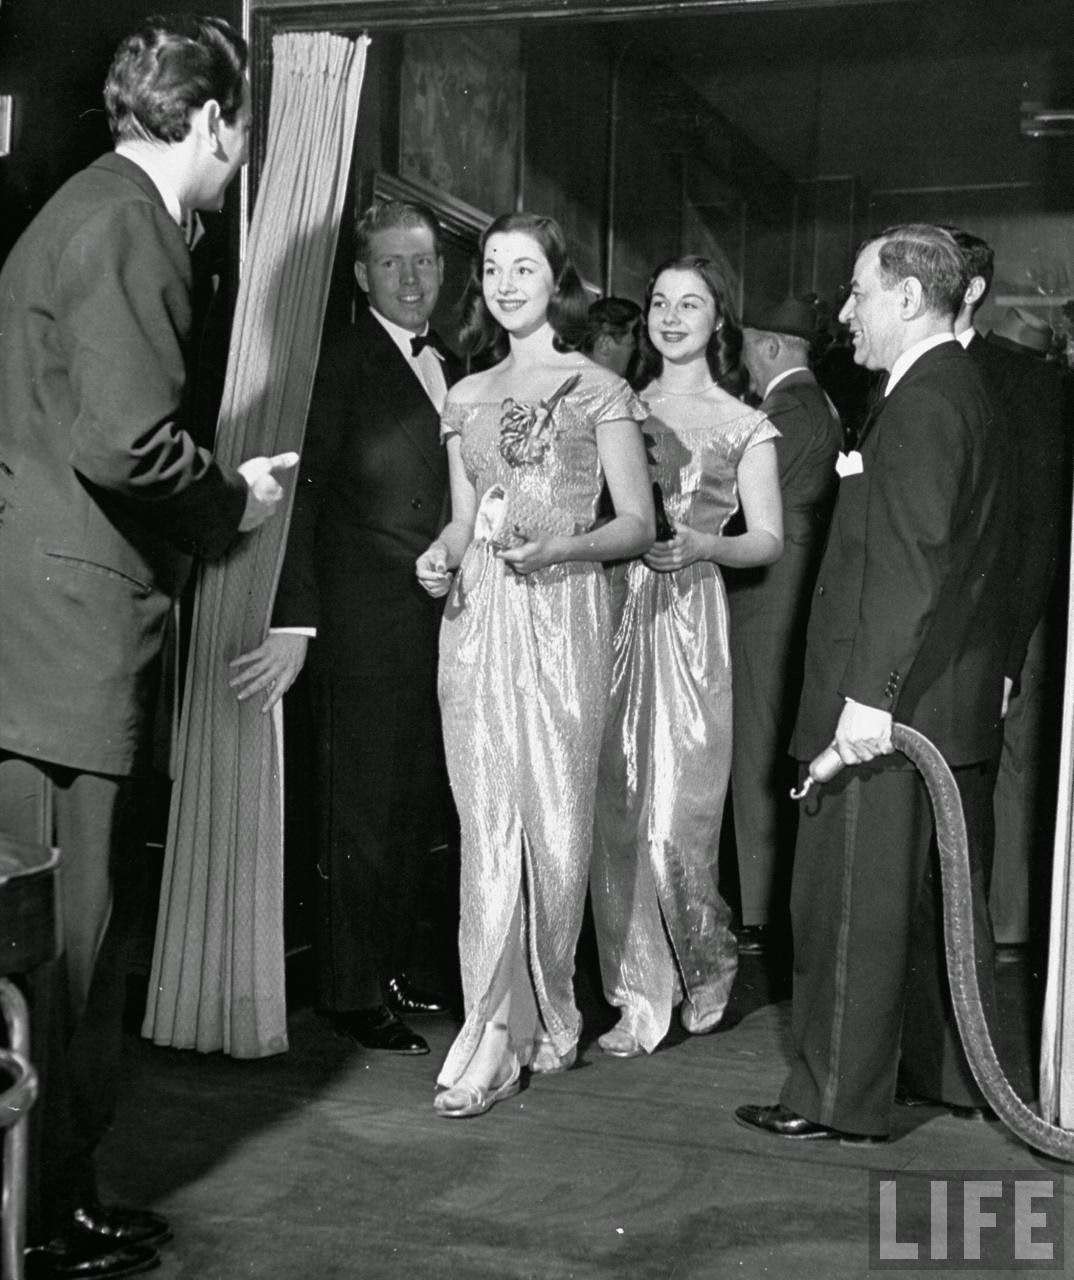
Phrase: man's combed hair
(978,257)
(387,215)
(620,317)
(172,65)
(928,254)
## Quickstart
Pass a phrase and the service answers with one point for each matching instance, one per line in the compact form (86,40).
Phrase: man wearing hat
(770,607)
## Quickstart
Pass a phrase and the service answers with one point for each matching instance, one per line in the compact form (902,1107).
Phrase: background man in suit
(105,497)
(612,332)
(904,624)
(770,609)
(1029,392)
(371,496)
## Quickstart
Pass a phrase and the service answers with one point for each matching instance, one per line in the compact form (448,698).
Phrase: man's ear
(361,274)
(771,346)
(911,297)
(603,343)
(439,269)
(206,120)
(975,291)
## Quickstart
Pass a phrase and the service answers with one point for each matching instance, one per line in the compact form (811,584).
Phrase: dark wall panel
(54,56)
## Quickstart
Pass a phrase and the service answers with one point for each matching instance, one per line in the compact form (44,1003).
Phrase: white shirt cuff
(293,631)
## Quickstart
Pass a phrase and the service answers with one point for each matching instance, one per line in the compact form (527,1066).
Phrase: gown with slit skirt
(663,931)
(525,665)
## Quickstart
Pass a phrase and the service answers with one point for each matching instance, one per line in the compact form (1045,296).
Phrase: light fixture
(1039,121)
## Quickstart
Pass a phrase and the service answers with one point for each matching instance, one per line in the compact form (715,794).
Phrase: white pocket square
(849,464)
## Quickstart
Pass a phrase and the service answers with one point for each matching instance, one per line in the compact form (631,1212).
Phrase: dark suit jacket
(809,440)
(907,614)
(1030,395)
(105,494)
(371,486)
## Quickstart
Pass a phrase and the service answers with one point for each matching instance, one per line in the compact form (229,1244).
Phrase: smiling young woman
(525,646)
(662,928)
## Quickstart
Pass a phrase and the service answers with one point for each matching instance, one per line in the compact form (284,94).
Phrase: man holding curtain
(104,499)
(371,495)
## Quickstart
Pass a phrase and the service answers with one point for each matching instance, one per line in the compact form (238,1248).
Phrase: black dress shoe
(115,1226)
(752,940)
(379,1029)
(404,998)
(905,1098)
(79,1258)
(781,1122)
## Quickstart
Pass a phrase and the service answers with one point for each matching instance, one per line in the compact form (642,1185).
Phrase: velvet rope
(1057,1031)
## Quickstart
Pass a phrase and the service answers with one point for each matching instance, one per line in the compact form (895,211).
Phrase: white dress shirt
(155,174)
(781,377)
(427,364)
(911,355)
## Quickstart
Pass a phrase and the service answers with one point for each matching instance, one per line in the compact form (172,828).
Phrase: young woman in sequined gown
(663,930)
(525,647)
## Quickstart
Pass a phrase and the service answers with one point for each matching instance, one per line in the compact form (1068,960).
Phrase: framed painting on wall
(460,103)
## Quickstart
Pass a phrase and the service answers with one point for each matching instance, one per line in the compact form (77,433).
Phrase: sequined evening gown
(525,664)
(662,927)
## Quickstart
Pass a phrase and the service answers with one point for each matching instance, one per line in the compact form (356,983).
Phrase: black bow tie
(420,341)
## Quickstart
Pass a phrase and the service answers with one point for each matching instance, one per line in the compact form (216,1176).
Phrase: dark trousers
(381,796)
(871,997)
(767,643)
(76,1003)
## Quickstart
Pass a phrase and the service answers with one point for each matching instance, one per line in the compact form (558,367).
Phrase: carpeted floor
(328,1161)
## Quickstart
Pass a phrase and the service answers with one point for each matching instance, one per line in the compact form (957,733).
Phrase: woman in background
(525,646)
(662,928)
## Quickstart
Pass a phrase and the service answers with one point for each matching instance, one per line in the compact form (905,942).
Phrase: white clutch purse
(508,518)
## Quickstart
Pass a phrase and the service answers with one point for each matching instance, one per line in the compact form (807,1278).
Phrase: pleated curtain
(1057,1035)
(218,962)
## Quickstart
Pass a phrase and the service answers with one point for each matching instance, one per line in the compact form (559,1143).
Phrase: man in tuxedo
(371,496)
(1029,392)
(105,496)
(770,609)
(904,626)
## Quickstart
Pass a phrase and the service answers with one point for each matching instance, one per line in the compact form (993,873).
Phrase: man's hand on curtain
(272,667)
(264,491)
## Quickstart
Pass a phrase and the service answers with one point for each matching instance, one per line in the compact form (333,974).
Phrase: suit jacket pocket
(93,569)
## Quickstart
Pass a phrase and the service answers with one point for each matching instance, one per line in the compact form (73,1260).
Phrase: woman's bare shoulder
(474,388)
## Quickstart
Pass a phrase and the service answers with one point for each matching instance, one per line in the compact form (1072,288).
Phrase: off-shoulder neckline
(603,384)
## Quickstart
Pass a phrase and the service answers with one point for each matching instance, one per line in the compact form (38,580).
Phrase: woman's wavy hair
(724,348)
(172,65)
(568,307)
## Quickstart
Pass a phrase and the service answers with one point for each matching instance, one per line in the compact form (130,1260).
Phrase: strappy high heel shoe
(462,1100)
(546,1061)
